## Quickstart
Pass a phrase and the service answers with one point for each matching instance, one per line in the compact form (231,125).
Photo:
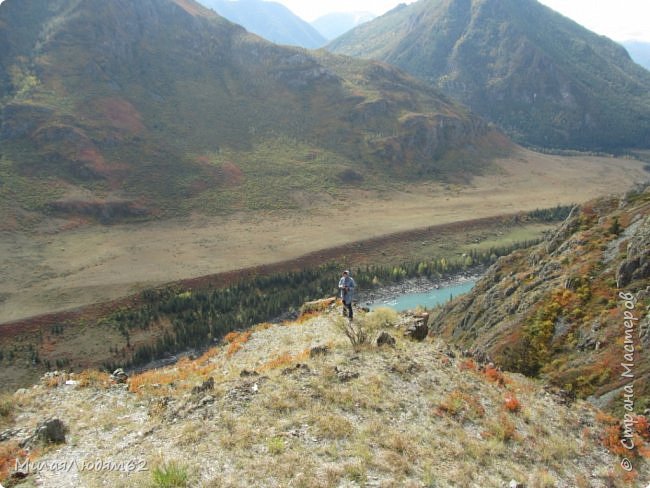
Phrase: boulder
(51,431)
(418,329)
(636,265)
(344,375)
(207,385)
(246,373)
(384,338)
(318,351)
(119,376)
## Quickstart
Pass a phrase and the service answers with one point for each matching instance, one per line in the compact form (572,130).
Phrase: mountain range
(270,20)
(130,110)
(543,78)
(334,24)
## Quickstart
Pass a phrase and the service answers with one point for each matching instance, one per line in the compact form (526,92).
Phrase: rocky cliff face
(559,310)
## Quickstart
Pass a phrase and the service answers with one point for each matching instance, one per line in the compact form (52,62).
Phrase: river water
(427,299)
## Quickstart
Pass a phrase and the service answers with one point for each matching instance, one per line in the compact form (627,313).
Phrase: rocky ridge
(558,310)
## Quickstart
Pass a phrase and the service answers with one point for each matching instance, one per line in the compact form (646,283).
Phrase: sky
(620,20)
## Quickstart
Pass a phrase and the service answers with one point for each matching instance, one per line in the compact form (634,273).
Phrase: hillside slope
(131,110)
(543,78)
(270,20)
(563,309)
(295,405)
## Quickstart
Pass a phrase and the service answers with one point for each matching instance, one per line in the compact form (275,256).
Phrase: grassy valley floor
(51,271)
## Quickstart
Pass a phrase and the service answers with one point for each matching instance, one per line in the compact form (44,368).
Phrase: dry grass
(93,379)
(462,405)
(502,429)
(8,452)
(380,318)
(89,266)
(7,404)
(284,360)
(332,425)
(419,426)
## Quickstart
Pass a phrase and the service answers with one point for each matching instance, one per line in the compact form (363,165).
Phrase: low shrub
(511,403)
(380,318)
(354,331)
(170,475)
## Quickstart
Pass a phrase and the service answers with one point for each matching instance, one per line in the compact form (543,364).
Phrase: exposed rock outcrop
(555,309)
(636,265)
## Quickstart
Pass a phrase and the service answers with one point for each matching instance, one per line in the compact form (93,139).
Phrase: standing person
(346,285)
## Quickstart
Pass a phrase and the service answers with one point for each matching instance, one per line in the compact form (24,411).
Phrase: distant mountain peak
(543,78)
(270,20)
(334,24)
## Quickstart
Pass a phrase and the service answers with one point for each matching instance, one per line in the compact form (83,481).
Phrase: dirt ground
(50,272)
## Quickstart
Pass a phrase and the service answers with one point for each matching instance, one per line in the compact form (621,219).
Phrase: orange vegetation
(467,365)
(613,435)
(152,377)
(9,451)
(284,360)
(511,403)
(236,341)
(187,373)
(494,375)
(93,378)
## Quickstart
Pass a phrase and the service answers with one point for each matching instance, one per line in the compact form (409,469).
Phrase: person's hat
(346,272)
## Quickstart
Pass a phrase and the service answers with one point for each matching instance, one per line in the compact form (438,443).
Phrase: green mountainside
(543,78)
(271,20)
(122,109)
(574,309)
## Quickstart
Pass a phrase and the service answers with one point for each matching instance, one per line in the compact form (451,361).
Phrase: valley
(52,270)
(179,196)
